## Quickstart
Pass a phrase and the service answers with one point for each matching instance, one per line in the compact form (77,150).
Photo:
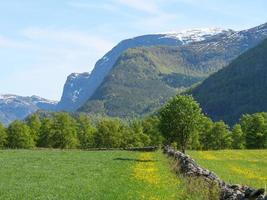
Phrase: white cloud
(68,37)
(90,6)
(10,43)
(54,54)
(148,6)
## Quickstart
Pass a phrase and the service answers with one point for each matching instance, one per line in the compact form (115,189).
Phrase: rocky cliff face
(75,91)
(13,107)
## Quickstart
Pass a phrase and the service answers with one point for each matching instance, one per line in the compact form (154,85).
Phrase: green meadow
(247,167)
(99,175)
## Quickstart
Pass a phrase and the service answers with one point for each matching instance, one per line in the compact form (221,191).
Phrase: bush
(3,136)
(19,135)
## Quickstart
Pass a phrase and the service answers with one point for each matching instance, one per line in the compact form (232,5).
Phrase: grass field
(247,167)
(80,175)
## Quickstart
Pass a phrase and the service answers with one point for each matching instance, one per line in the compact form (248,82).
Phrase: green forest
(180,122)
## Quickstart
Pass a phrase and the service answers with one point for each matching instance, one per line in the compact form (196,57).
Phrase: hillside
(237,89)
(145,78)
(14,107)
(227,44)
(87,84)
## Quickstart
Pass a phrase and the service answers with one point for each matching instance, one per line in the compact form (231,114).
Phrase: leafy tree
(179,120)
(238,137)
(151,128)
(108,134)
(85,132)
(45,137)
(63,131)
(205,127)
(3,136)
(139,138)
(19,135)
(34,123)
(255,130)
(219,136)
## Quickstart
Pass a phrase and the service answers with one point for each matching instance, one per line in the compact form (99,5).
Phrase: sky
(42,42)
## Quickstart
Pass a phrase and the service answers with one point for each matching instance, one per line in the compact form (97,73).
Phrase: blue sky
(41,42)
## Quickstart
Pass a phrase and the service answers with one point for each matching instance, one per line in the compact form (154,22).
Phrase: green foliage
(237,89)
(34,123)
(151,128)
(219,137)
(19,135)
(108,134)
(254,128)
(45,138)
(179,120)
(3,136)
(85,132)
(238,137)
(63,132)
(143,79)
(204,129)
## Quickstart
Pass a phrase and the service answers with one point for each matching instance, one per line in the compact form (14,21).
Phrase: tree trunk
(183,149)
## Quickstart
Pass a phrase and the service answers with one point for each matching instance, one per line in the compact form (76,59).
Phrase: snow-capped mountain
(84,85)
(14,107)
(197,35)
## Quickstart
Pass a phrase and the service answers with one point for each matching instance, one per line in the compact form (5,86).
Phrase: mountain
(87,84)
(143,78)
(14,107)
(238,88)
(74,91)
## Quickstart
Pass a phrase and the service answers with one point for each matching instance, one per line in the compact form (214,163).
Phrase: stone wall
(188,167)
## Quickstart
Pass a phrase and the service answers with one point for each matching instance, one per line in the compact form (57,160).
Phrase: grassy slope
(68,175)
(247,167)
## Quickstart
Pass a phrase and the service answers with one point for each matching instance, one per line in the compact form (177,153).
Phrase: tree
(219,137)
(19,135)
(63,132)
(255,130)
(34,123)
(85,132)
(45,136)
(3,136)
(204,129)
(108,134)
(139,138)
(238,137)
(179,120)
(151,128)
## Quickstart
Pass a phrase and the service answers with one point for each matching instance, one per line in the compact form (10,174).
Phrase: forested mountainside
(71,101)
(226,44)
(237,89)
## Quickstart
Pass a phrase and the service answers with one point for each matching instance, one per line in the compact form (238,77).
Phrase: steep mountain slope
(14,107)
(144,78)
(238,88)
(141,80)
(88,84)
(74,88)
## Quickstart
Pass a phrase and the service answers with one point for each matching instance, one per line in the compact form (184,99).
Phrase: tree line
(180,123)
(184,126)
(64,131)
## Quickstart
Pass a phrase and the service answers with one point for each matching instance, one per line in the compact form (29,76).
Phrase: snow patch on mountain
(195,35)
